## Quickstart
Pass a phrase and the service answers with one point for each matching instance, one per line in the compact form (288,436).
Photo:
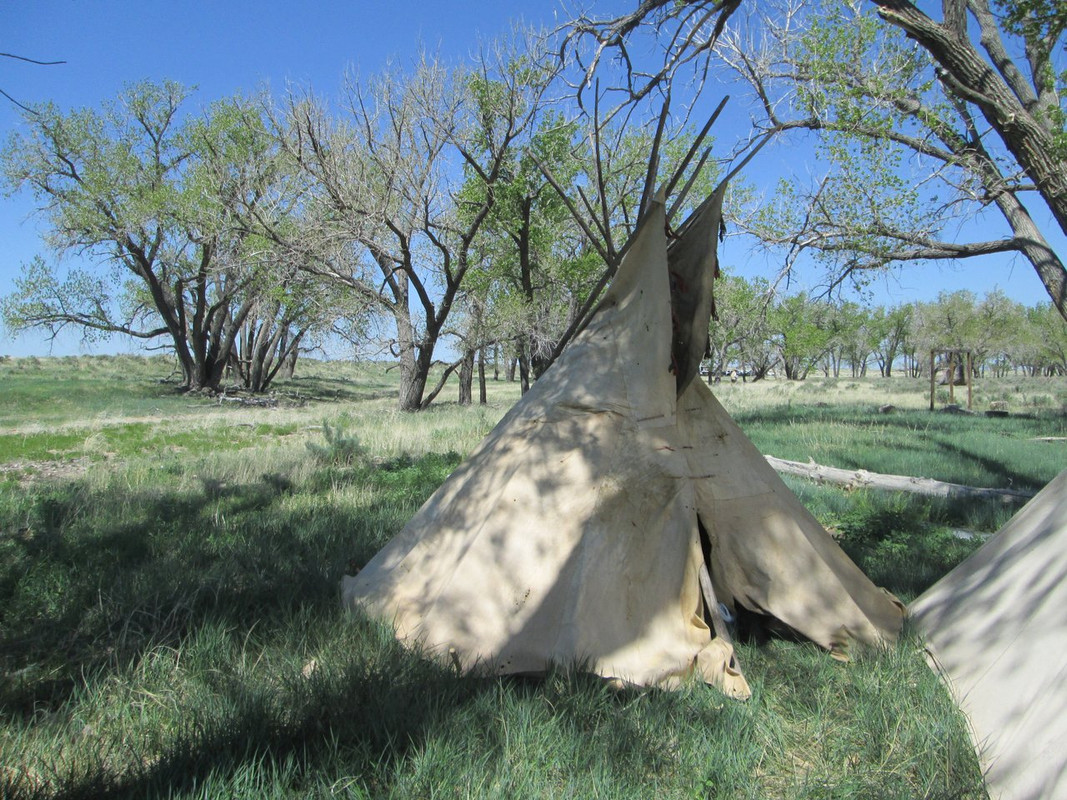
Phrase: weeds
(340,448)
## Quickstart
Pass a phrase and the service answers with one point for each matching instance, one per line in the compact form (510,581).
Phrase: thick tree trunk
(413,373)
(412,387)
(524,368)
(288,369)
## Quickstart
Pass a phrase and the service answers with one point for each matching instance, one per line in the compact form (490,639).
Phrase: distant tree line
(759,333)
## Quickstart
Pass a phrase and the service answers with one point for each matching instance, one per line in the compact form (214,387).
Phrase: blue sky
(226,47)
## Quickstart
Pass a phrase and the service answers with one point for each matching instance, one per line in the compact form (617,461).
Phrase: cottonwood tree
(757,327)
(627,164)
(569,203)
(474,336)
(799,325)
(891,328)
(739,332)
(291,311)
(280,306)
(147,200)
(527,276)
(1043,348)
(979,101)
(381,180)
(907,157)
(1003,63)
(950,324)
(852,339)
(685,35)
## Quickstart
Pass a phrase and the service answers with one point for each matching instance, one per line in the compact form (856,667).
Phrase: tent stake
(717,622)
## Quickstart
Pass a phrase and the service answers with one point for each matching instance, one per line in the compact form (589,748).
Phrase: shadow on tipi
(581,528)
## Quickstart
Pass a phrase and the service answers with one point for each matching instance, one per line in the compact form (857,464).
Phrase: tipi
(996,628)
(579,531)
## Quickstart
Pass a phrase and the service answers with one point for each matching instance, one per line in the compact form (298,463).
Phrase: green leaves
(102,176)
(159,204)
(757,330)
(44,299)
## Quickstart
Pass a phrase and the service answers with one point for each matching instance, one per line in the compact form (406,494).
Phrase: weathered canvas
(578,530)
(996,628)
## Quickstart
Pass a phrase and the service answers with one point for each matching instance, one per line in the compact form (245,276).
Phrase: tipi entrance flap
(694,266)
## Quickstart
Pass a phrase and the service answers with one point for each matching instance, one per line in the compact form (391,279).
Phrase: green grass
(970,450)
(170,622)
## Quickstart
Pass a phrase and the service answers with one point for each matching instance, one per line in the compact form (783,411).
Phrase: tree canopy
(152,201)
(922,122)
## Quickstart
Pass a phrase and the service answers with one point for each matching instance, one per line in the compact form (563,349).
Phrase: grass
(170,626)
(970,450)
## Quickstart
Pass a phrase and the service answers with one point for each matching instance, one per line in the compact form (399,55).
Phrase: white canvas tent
(996,629)
(577,532)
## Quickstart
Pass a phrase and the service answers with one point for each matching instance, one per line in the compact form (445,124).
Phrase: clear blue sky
(226,47)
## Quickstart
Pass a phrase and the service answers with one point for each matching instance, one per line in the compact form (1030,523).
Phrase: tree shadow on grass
(103,579)
(91,578)
(318,388)
(367,722)
(920,432)
(371,728)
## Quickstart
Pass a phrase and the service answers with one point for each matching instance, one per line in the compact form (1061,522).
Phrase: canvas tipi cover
(577,531)
(996,628)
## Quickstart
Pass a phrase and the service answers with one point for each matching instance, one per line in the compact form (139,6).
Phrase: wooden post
(932,382)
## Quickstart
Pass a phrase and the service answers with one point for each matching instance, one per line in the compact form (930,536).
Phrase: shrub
(340,447)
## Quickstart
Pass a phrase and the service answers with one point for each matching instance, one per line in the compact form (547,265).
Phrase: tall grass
(170,624)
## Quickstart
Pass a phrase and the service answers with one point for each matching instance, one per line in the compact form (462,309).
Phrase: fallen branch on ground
(862,479)
(259,402)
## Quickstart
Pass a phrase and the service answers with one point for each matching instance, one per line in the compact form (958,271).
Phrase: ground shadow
(924,433)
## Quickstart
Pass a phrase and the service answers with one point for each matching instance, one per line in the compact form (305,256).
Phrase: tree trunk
(412,374)
(966,74)
(289,364)
(483,398)
(524,370)
(860,478)
(466,378)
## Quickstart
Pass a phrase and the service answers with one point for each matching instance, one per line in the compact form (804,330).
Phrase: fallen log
(862,479)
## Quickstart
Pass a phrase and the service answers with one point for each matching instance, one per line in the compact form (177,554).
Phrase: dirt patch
(28,472)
